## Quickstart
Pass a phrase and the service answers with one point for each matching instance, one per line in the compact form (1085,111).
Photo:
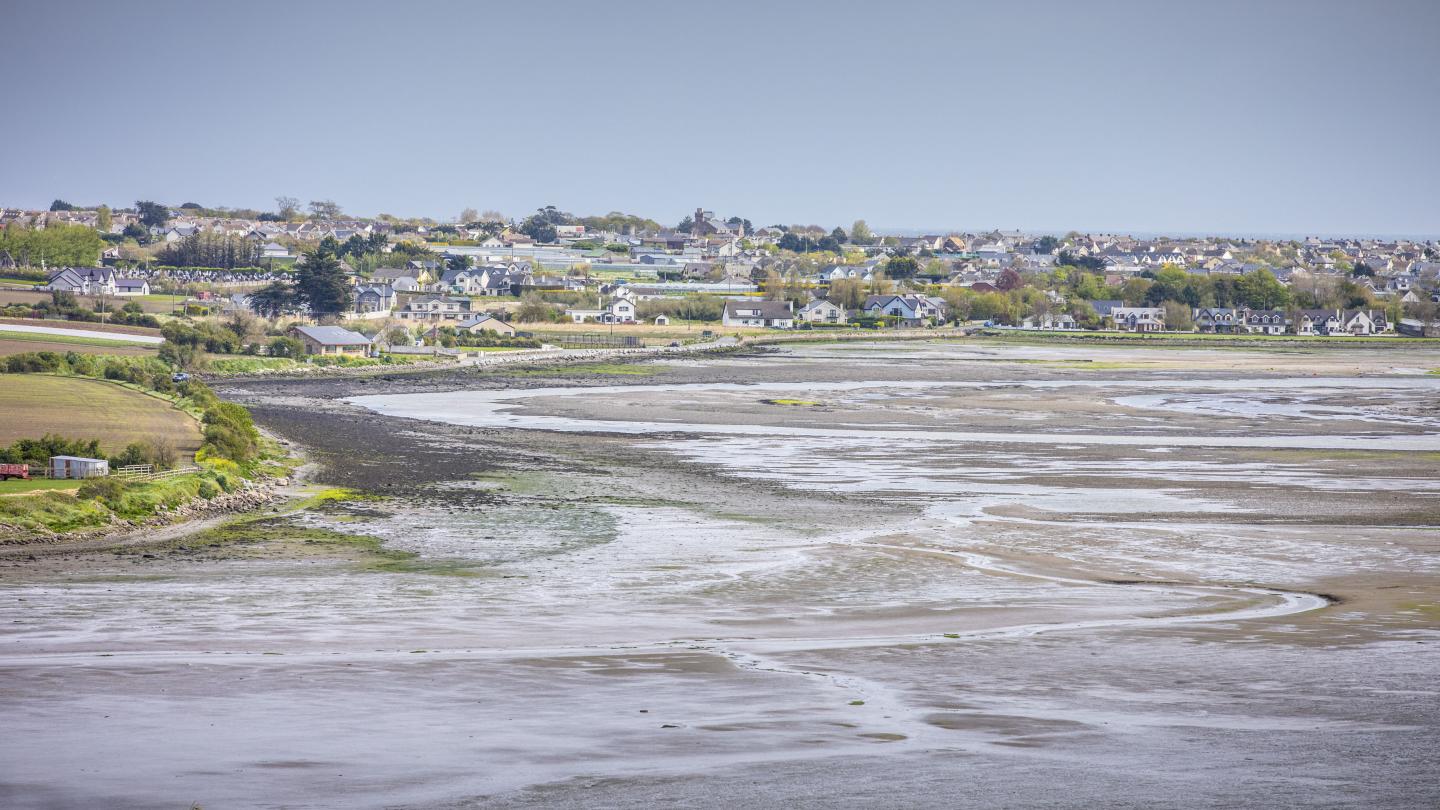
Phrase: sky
(1313,117)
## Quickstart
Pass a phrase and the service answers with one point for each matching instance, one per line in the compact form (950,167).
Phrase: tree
(324,209)
(287,208)
(468,216)
(458,263)
(1009,280)
(1178,317)
(136,231)
(533,308)
(848,293)
(902,267)
(273,299)
(839,235)
(1087,262)
(860,233)
(1363,269)
(321,285)
(686,225)
(103,220)
(1046,244)
(61,205)
(1261,290)
(286,347)
(152,214)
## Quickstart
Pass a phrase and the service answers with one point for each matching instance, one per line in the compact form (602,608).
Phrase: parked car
(179,377)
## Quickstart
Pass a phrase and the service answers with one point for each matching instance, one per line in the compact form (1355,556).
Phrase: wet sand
(919,575)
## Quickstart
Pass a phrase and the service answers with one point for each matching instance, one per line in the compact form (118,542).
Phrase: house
(434,308)
(1317,322)
(662,320)
(467,281)
(1051,321)
(374,298)
(770,314)
(401,279)
(911,310)
(821,311)
(132,286)
(1220,320)
(78,467)
(1138,319)
(1264,321)
(82,281)
(1363,322)
(275,250)
(332,341)
(620,310)
(1414,327)
(485,323)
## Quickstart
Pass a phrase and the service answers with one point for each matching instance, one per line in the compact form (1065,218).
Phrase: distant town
(343,285)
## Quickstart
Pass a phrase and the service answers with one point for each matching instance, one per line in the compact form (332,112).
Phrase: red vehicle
(8,471)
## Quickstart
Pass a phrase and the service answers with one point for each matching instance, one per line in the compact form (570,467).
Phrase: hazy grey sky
(1296,117)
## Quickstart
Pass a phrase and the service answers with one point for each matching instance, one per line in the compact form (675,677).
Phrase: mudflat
(866,574)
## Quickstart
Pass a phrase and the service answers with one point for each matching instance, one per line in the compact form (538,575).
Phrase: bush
(286,347)
(107,489)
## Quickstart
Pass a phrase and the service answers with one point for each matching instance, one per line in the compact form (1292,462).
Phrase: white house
(821,311)
(434,308)
(132,286)
(771,314)
(909,309)
(1139,319)
(82,281)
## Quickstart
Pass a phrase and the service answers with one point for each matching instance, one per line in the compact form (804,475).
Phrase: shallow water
(949,579)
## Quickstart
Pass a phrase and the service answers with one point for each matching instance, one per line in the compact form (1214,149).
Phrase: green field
(36,404)
(20,486)
(79,340)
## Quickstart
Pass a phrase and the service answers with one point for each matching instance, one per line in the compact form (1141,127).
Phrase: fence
(147,472)
(589,340)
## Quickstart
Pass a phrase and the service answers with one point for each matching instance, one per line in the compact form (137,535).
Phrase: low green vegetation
(25,486)
(81,340)
(798,403)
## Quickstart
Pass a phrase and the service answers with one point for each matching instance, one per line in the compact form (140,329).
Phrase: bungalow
(332,341)
(434,308)
(485,323)
(132,286)
(821,311)
(770,314)
(1138,319)
(1050,320)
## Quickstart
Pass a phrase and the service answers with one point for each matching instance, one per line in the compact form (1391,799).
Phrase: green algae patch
(794,403)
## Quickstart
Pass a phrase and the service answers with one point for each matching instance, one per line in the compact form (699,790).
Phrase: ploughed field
(32,405)
(872,574)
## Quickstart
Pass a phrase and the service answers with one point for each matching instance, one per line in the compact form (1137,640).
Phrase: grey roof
(333,336)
